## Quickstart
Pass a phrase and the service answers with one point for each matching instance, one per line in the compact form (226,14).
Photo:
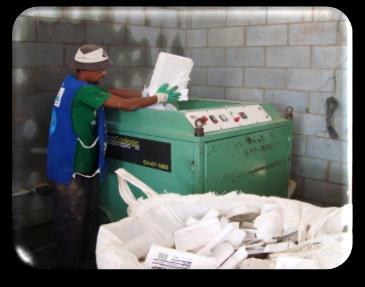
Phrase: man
(76,150)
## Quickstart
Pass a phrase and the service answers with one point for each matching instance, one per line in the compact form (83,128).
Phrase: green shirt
(85,103)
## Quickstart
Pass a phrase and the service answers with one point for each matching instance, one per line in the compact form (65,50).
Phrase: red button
(237,119)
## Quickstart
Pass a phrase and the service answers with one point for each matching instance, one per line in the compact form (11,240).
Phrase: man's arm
(129,104)
(125,93)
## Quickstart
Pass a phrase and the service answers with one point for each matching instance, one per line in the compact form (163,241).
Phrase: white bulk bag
(154,220)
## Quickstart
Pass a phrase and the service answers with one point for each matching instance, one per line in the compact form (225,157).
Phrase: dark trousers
(75,222)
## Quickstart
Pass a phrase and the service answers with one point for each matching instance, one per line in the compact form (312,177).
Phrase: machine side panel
(253,163)
(178,178)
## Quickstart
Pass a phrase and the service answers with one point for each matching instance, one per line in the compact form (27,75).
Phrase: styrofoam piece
(290,262)
(250,234)
(160,257)
(221,252)
(163,107)
(233,261)
(191,221)
(196,235)
(224,221)
(248,225)
(236,237)
(269,207)
(269,224)
(255,251)
(291,187)
(255,263)
(215,240)
(243,213)
(212,213)
(171,69)
(184,95)
(278,247)
(235,225)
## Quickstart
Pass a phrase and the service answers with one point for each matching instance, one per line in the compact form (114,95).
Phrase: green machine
(203,146)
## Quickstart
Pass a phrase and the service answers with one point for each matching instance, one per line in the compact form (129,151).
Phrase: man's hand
(164,94)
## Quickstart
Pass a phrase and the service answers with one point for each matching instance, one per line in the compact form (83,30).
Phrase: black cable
(331,106)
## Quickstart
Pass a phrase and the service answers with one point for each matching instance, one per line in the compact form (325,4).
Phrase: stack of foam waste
(245,237)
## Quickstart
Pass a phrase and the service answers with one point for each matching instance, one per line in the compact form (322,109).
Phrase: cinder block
(136,78)
(326,148)
(298,145)
(268,35)
(198,76)
(282,98)
(143,36)
(311,80)
(307,124)
(326,14)
(329,57)
(203,18)
(33,104)
(344,29)
(228,77)
(208,56)
(127,56)
(128,15)
(318,103)
(265,78)
(25,175)
(152,55)
(310,167)
(313,33)
(247,57)
(197,38)
(115,78)
(207,92)
(105,33)
(36,54)
(339,172)
(182,19)
(32,129)
(316,125)
(23,80)
(173,38)
(49,12)
(288,56)
(325,192)
(277,15)
(24,29)
(342,78)
(87,13)
(298,192)
(225,37)
(244,94)
(161,17)
(246,16)
(341,127)
(49,79)
(56,31)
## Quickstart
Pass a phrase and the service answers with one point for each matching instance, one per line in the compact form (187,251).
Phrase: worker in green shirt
(76,149)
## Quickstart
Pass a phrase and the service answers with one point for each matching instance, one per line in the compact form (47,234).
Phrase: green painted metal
(255,159)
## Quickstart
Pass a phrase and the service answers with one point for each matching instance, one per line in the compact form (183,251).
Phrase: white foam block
(171,69)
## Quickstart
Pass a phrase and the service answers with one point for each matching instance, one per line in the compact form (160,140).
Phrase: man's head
(90,63)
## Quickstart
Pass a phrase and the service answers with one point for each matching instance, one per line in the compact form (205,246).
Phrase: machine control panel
(228,117)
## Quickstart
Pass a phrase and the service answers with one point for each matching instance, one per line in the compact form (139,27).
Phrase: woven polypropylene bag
(155,219)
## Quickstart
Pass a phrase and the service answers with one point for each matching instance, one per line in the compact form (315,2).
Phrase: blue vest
(62,139)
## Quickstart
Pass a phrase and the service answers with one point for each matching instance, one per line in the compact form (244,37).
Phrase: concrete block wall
(286,56)
(44,43)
